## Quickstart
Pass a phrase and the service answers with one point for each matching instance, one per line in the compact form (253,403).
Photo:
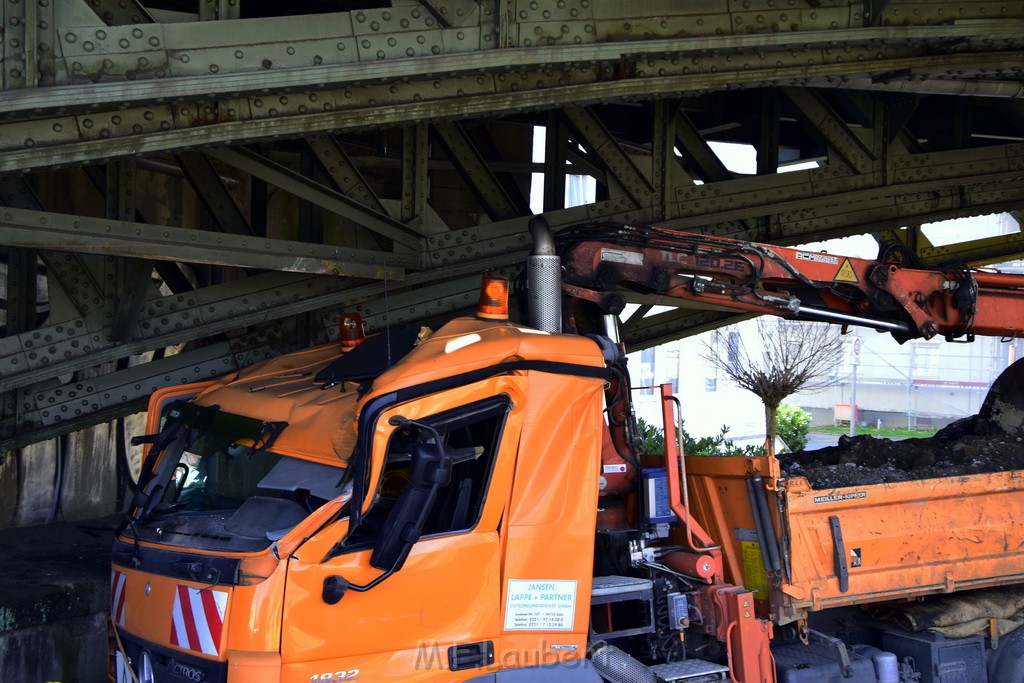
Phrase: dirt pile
(991,441)
(866,460)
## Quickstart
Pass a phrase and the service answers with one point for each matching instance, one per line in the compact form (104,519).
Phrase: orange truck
(468,505)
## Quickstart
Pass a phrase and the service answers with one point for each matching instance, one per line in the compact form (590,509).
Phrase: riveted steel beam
(894,211)
(554,162)
(14,55)
(816,113)
(663,157)
(805,190)
(57,349)
(76,285)
(976,252)
(347,178)
(683,322)
(213,10)
(362,77)
(768,134)
(800,206)
(395,89)
(322,196)
(53,408)
(138,240)
(75,281)
(119,12)
(474,171)
(210,188)
(695,150)
(55,142)
(132,281)
(620,168)
(339,66)
(415,155)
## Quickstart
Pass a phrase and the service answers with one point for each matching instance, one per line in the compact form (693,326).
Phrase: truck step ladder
(691,671)
(610,590)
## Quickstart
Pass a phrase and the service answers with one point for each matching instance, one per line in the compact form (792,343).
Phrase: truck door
(441,610)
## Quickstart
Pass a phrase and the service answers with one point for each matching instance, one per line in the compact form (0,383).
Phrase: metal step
(617,588)
(690,670)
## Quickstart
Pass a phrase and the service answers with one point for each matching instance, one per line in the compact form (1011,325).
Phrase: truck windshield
(220,485)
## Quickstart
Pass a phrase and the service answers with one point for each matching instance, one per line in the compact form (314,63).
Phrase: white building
(916,384)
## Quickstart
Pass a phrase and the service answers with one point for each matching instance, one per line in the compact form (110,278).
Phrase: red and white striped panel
(198,619)
(117,591)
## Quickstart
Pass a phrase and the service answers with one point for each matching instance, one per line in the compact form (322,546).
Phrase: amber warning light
(493,298)
(350,331)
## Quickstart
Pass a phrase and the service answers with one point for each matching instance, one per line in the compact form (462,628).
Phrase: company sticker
(621,256)
(540,605)
(818,258)
(836,497)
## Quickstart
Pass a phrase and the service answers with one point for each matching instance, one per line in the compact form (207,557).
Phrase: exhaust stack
(544,278)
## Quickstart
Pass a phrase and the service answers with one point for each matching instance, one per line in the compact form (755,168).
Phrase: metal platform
(691,670)
(616,588)
(608,590)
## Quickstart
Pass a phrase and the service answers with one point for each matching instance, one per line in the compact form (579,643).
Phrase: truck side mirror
(429,470)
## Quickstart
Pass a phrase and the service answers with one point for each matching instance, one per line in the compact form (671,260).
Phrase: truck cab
(329,517)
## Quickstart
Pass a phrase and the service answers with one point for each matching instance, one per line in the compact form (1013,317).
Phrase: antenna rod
(387,313)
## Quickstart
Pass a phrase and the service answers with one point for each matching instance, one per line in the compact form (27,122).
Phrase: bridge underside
(189,187)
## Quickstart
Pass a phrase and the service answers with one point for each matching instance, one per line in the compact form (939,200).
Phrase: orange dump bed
(861,544)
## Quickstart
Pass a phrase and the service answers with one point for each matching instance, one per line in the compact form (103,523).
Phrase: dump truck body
(865,543)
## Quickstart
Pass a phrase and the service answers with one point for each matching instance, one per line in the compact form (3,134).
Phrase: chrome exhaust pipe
(544,278)
(615,665)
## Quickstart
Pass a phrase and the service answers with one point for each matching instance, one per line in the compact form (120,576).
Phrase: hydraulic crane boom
(903,297)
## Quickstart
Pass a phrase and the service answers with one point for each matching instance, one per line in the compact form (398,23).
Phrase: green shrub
(651,439)
(718,445)
(793,424)
(652,442)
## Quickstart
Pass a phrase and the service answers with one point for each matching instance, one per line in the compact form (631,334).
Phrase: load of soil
(991,441)
(863,460)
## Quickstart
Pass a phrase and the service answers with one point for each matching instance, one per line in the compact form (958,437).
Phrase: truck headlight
(146,669)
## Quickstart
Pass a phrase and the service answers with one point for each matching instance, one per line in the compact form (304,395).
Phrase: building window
(645,378)
(733,349)
(926,360)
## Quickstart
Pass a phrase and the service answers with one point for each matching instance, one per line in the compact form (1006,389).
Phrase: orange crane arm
(907,300)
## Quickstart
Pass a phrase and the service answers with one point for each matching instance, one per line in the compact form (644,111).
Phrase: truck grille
(170,666)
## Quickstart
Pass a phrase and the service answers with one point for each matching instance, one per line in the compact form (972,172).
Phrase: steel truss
(181,195)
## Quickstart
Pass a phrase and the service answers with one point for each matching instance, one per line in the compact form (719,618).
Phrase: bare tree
(787,357)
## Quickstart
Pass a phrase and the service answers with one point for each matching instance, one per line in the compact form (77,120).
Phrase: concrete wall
(69,651)
(70,478)
(54,599)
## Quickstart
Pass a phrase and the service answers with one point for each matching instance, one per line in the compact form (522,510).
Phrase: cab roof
(321,415)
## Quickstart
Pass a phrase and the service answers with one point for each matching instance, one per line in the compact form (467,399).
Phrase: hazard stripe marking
(197,621)
(191,637)
(214,617)
(117,596)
